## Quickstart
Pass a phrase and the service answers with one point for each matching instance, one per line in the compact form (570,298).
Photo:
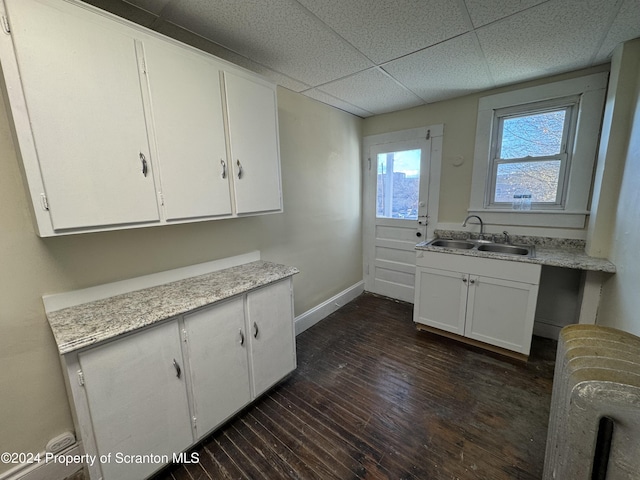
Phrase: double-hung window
(535,151)
(531,155)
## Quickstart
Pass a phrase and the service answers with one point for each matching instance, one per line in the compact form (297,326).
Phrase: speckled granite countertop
(556,252)
(90,323)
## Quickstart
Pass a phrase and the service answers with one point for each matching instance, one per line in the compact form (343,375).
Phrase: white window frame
(587,94)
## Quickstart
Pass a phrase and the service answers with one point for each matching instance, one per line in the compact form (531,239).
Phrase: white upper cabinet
(186,104)
(119,127)
(81,84)
(253,134)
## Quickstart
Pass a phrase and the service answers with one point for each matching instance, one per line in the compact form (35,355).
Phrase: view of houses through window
(398,184)
(529,157)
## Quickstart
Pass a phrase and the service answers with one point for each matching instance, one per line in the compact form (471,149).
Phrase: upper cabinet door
(253,132)
(186,103)
(81,82)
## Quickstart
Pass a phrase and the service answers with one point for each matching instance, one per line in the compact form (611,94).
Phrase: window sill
(533,218)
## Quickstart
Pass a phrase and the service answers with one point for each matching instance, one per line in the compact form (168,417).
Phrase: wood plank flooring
(373,398)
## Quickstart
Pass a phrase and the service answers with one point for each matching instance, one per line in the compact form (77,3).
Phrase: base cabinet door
(441,299)
(137,398)
(272,336)
(217,346)
(501,312)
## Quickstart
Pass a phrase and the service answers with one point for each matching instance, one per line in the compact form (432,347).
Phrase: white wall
(319,232)
(620,304)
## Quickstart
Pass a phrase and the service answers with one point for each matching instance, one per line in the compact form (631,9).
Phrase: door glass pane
(398,184)
(536,135)
(538,179)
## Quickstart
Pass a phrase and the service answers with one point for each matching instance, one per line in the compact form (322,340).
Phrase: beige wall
(619,230)
(319,232)
(459,117)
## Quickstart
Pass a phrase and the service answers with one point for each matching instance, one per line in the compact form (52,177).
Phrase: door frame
(432,137)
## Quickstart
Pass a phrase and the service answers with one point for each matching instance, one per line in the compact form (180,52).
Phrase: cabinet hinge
(80,378)
(193,421)
(369,163)
(161,198)
(184,334)
(5,25)
(44,202)
(144,65)
(428,134)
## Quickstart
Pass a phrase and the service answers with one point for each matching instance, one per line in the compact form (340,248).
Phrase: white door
(93,152)
(441,301)
(400,206)
(186,101)
(271,334)
(501,312)
(217,344)
(137,398)
(253,133)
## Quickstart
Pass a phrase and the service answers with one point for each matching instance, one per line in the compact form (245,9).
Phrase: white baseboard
(44,470)
(326,308)
(546,330)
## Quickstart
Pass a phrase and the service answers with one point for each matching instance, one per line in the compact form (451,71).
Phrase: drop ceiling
(369,57)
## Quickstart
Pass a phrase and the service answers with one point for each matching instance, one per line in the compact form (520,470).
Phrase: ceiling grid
(370,57)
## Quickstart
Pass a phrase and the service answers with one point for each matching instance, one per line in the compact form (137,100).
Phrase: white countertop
(90,323)
(553,252)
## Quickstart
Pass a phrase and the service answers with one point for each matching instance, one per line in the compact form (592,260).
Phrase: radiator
(594,422)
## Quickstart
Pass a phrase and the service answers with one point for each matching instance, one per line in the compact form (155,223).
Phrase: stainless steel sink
(483,246)
(441,242)
(502,248)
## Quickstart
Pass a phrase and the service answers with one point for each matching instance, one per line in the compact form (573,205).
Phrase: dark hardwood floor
(373,398)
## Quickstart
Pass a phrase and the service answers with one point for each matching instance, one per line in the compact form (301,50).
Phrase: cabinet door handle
(255,330)
(144,164)
(177,367)
(239,169)
(472,281)
(464,279)
(241,338)
(224,169)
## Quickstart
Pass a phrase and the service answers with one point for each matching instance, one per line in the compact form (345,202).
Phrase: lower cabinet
(487,300)
(143,399)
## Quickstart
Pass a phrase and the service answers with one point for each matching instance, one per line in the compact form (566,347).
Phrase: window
(531,155)
(535,151)
(398,185)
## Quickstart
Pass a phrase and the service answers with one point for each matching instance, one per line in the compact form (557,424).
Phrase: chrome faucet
(507,240)
(464,224)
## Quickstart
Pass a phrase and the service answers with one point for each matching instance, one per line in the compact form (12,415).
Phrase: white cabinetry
(120,127)
(137,401)
(82,90)
(253,134)
(491,301)
(218,364)
(162,389)
(187,114)
(272,338)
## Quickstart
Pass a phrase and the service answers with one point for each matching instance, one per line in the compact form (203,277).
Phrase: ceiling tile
(153,6)
(390,29)
(626,26)
(336,102)
(553,37)
(201,43)
(280,34)
(450,69)
(372,90)
(483,12)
